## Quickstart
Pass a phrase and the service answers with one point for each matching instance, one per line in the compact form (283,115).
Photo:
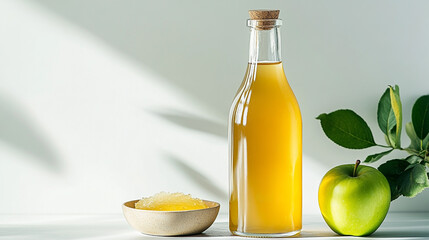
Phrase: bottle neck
(265,45)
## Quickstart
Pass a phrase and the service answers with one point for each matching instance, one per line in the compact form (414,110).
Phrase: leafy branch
(407,177)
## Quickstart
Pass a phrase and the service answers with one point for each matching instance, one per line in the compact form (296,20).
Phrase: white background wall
(107,101)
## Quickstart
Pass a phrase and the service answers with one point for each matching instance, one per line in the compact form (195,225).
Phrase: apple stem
(356,166)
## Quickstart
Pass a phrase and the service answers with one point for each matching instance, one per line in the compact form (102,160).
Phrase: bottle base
(266,235)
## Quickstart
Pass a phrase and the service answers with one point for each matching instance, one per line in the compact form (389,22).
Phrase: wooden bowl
(170,223)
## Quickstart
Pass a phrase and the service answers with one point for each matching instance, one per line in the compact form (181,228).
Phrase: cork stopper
(264,19)
(264,14)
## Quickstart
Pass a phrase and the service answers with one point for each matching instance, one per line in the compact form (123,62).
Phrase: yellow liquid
(266,154)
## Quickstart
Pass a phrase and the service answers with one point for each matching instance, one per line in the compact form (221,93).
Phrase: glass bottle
(265,141)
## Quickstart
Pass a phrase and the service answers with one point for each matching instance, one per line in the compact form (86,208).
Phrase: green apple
(354,199)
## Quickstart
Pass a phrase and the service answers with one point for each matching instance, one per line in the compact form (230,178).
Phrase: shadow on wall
(190,49)
(17,131)
(194,122)
(194,50)
(195,176)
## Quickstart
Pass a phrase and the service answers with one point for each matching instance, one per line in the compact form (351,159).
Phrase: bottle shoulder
(265,88)
(262,102)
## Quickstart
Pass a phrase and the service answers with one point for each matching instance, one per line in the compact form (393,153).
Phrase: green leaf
(413,159)
(385,116)
(410,166)
(405,178)
(413,180)
(415,141)
(347,129)
(386,138)
(420,116)
(375,157)
(392,170)
(393,167)
(426,143)
(395,100)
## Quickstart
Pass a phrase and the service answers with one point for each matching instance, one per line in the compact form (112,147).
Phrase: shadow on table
(220,229)
(104,227)
(391,234)
(70,228)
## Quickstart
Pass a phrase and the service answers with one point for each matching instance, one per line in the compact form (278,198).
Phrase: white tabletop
(91,227)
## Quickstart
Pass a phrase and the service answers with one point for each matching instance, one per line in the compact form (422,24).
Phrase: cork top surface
(264,14)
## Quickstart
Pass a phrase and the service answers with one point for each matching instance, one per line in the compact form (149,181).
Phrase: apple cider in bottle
(265,141)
